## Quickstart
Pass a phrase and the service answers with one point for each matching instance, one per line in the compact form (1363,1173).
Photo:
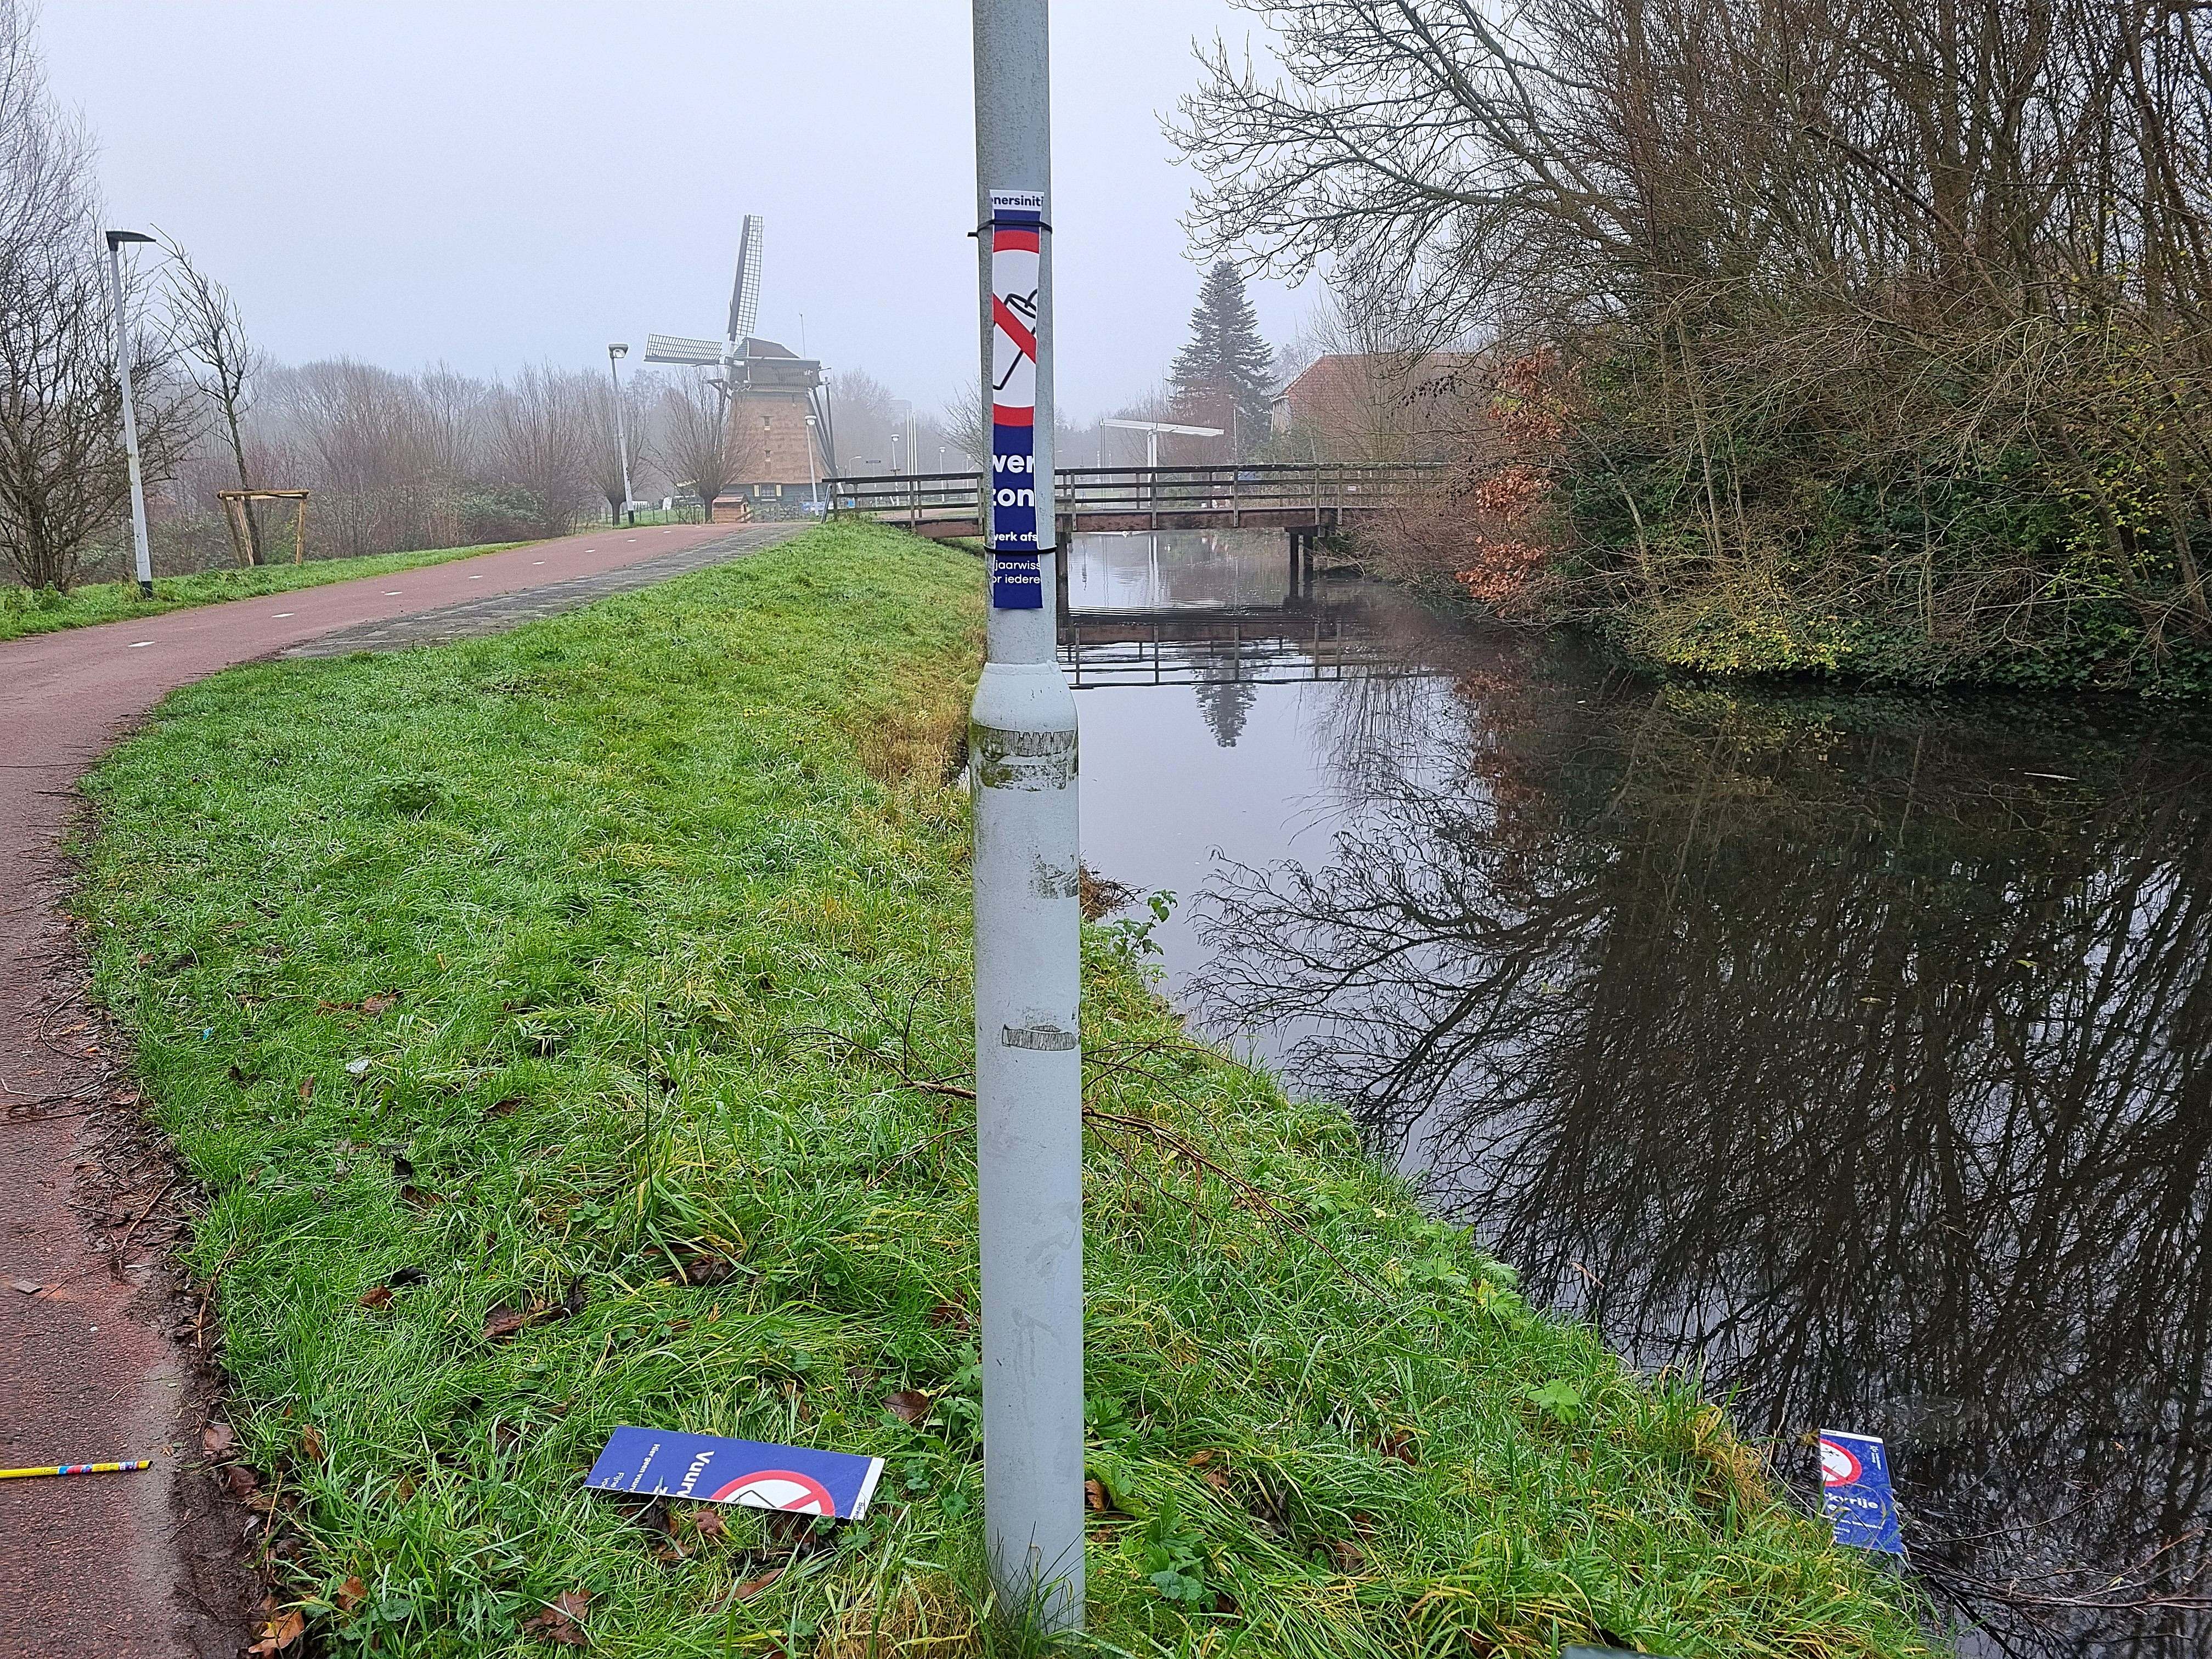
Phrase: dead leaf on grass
(707,1523)
(218,1439)
(560,1623)
(349,1595)
(421,1197)
(908,1404)
(376,1295)
(306,1088)
(1093,1497)
(1349,1557)
(753,1587)
(503,1323)
(379,1001)
(506,1108)
(280,1632)
(310,1443)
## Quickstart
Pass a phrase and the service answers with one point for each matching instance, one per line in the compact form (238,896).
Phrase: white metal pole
(145,557)
(1029,1067)
(621,432)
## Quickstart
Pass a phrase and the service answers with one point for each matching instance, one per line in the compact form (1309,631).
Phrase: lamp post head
(617,351)
(116,238)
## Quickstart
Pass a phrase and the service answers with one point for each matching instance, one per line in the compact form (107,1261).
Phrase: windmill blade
(744,296)
(679,348)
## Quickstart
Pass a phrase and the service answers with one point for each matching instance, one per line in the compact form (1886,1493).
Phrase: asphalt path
(98,1357)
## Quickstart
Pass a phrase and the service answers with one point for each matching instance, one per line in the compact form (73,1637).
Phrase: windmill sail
(677,349)
(744,293)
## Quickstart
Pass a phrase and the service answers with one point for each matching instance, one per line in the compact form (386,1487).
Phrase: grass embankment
(635,918)
(42,610)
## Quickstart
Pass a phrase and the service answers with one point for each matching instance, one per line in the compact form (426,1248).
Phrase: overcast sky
(491,182)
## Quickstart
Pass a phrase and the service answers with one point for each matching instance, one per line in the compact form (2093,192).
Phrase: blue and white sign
(708,1469)
(1017,225)
(1855,1492)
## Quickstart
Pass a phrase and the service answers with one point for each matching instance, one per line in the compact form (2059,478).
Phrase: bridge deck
(946,506)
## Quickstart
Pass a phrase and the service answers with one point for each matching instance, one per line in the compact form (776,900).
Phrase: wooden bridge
(946,506)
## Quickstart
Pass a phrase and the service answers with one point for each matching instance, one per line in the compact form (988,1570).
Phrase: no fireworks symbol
(1017,229)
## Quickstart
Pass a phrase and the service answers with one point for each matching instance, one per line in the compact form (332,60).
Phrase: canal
(1850,1049)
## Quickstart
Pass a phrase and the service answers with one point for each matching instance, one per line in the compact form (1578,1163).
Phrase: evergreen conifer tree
(1225,363)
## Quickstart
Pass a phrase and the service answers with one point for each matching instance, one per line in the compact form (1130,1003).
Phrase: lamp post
(813,478)
(145,558)
(1022,750)
(615,354)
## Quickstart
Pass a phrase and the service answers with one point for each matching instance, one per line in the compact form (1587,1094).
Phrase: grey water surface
(1851,1047)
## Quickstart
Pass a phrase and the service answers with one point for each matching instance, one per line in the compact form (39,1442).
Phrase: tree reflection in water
(1822,1044)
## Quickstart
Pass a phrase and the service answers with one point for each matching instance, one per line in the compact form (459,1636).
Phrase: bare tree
(612,422)
(699,445)
(207,329)
(1877,330)
(62,477)
(543,433)
(965,426)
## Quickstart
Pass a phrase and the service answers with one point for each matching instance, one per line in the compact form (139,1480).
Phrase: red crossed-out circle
(777,1489)
(1837,1467)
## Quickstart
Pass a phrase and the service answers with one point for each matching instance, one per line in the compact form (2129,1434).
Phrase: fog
(498,183)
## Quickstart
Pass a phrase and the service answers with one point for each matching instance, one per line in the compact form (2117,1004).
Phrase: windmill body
(768,392)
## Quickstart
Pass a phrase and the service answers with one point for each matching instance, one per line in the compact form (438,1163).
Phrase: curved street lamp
(615,354)
(116,239)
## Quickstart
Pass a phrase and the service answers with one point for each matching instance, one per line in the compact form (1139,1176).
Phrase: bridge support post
(1021,759)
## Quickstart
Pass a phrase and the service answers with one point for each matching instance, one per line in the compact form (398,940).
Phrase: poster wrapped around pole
(1016,221)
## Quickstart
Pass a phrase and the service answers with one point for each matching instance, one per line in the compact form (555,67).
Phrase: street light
(813,478)
(615,354)
(115,241)
(1022,754)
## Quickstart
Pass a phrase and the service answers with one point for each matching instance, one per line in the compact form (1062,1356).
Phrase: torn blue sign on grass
(662,1463)
(1855,1492)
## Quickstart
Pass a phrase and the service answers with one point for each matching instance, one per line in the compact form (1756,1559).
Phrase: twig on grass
(1246,1192)
(876,1057)
(115,1260)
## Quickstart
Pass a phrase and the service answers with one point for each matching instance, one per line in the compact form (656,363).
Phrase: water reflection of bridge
(1210,607)
(1307,637)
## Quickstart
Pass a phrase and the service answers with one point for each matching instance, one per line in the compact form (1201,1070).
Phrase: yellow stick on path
(76,1468)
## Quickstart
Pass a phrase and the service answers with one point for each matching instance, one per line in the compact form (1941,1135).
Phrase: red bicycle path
(147,1564)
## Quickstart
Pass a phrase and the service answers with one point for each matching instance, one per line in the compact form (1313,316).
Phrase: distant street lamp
(615,354)
(813,478)
(115,241)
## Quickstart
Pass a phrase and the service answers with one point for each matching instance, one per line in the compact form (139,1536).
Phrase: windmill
(750,365)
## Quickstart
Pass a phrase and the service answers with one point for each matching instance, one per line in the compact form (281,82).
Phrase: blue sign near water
(1854,1491)
(709,1470)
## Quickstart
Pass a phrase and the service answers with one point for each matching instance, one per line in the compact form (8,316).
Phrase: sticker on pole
(1017,225)
(1855,1492)
(709,1470)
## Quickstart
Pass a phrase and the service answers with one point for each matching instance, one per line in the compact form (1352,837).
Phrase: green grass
(664,889)
(42,610)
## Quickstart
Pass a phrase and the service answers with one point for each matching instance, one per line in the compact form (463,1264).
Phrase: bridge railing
(1270,489)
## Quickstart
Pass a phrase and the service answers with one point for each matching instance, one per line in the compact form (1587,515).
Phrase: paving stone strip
(497,612)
